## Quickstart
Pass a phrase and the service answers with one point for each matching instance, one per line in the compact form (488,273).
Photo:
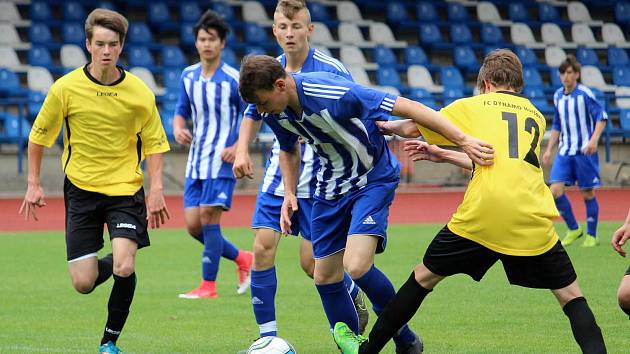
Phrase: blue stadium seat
(430,34)
(228,56)
(73,33)
(587,56)
(600,97)
(167,123)
(186,36)
(384,56)
(158,13)
(517,12)
(423,96)
(140,56)
(396,13)
(39,33)
(225,10)
(464,58)
(73,11)
(10,84)
(189,11)
(538,98)
(107,5)
(451,77)
(139,33)
(621,75)
(531,77)
(35,101)
(255,34)
(460,34)
(171,78)
(388,76)
(425,12)
(319,12)
(526,55)
(40,56)
(554,77)
(548,12)
(457,12)
(617,57)
(11,129)
(415,55)
(172,56)
(622,12)
(624,119)
(451,94)
(491,34)
(39,11)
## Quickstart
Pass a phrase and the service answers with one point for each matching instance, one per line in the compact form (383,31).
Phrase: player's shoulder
(559,92)
(69,79)
(325,85)
(139,86)
(189,71)
(325,61)
(230,71)
(584,90)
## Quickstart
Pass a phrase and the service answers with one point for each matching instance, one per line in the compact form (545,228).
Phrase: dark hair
(290,7)
(570,61)
(109,19)
(502,68)
(212,20)
(258,72)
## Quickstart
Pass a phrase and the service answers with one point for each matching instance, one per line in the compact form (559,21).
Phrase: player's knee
(308,266)
(264,254)
(210,215)
(357,269)
(193,230)
(124,269)
(83,285)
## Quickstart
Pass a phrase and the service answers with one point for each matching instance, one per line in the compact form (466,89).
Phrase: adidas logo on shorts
(369,221)
(257,301)
(222,196)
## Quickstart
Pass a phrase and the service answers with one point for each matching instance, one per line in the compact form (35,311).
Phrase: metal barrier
(21,105)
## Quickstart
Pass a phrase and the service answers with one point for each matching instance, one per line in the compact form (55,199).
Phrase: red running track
(409,207)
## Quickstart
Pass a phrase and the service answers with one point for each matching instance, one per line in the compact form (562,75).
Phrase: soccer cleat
(206,290)
(244,272)
(590,241)
(109,348)
(571,236)
(362,311)
(346,340)
(415,347)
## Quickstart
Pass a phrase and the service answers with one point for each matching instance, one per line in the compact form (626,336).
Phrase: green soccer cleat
(362,311)
(571,236)
(109,348)
(590,241)
(346,340)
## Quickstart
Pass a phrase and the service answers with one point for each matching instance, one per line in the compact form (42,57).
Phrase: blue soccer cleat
(109,348)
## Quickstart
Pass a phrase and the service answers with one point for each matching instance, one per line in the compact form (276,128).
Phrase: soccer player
(292,28)
(507,212)
(356,178)
(209,97)
(110,124)
(620,237)
(578,122)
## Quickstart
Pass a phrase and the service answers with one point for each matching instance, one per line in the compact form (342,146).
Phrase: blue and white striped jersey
(214,106)
(338,121)
(575,117)
(316,61)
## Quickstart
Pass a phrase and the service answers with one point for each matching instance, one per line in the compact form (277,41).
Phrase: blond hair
(109,19)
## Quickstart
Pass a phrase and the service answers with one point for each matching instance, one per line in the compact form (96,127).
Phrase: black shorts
(86,212)
(450,254)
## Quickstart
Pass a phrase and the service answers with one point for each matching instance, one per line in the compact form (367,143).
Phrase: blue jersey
(575,117)
(316,61)
(214,106)
(338,121)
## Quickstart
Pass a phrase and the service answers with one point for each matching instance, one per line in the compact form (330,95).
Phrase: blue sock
(229,250)
(564,207)
(263,289)
(380,291)
(338,305)
(592,213)
(351,286)
(212,249)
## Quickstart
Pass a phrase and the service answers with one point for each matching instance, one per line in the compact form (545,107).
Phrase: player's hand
(289,206)
(182,135)
(227,155)
(546,157)
(620,237)
(590,148)
(33,199)
(383,127)
(421,150)
(480,152)
(157,212)
(243,166)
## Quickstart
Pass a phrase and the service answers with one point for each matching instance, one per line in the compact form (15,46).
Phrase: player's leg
(587,167)
(264,282)
(563,173)
(623,294)
(193,222)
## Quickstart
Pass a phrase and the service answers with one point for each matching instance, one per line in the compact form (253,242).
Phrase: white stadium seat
(487,12)
(521,34)
(380,33)
(349,33)
(612,35)
(9,59)
(72,56)
(145,75)
(351,55)
(583,35)
(321,35)
(419,76)
(552,34)
(9,13)
(348,11)
(253,11)
(9,36)
(592,77)
(623,103)
(359,75)
(579,13)
(554,56)
(39,79)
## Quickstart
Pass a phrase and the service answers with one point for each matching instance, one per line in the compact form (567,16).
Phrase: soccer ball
(271,345)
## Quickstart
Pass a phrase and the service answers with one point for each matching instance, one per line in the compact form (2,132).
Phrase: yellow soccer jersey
(108,130)
(507,206)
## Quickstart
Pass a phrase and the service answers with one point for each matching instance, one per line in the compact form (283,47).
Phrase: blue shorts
(583,169)
(208,192)
(362,212)
(267,214)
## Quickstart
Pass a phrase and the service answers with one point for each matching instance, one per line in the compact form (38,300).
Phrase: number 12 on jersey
(531,127)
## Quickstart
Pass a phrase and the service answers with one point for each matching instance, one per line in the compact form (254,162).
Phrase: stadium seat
(425,12)
(539,99)
(186,36)
(488,12)
(521,34)
(350,33)
(457,12)
(189,11)
(451,94)
(517,12)
(583,35)
(554,77)
(430,34)
(39,79)
(359,75)
(255,34)
(11,128)
(419,76)
(39,33)
(396,14)
(158,13)
(319,13)
(73,11)
(622,95)
(10,84)
(224,9)
(140,56)
(415,55)
(587,56)
(622,12)
(548,12)
(73,33)
(450,76)
(39,11)
(170,78)
(106,5)
(592,77)
(380,33)
(621,75)
(35,101)
(72,56)
(139,33)
(491,34)
(321,35)
(9,13)
(228,56)
(617,57)
(532,78)
(40,56)
(612,35)
(526,55)
(348,11)
(253,11)
(578,13)
(10,37)
(464,58)
(554,56)
(387,76)
(145,75)
(172,56)
(624,118)
(9,59)
(552,35)
(384,56)
(460,34)
(351,55)
(423,96)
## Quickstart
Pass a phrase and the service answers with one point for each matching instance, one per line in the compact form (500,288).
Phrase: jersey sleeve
(252,112)
(286,138)
(596,110)
(49,120)
(454,112)
(153,136)
(183,102)
(365,103)
(555,122)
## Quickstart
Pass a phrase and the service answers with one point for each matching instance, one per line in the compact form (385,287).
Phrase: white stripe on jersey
(583,128)
(207,148)
(224,120)
(572,120)
(272,168)
(324,91)
(564,146)
(387,104)
(317,55)
(233,73)
(198,127)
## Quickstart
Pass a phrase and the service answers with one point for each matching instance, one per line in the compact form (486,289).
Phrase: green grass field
(41,313)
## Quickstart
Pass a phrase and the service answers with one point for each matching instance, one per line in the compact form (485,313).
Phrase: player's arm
(405,128)
(554,137)
(421,150)
(621,236)
(34,197)
(290,168)
(591,146)
(157,212)
(180,130)
(243,165)
(480,152)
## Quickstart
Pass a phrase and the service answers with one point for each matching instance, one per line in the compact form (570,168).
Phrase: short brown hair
(502,68)
(570,61)
(258,72)
(109,19)
(290,7)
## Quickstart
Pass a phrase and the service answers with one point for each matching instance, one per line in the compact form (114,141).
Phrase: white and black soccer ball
(271,345)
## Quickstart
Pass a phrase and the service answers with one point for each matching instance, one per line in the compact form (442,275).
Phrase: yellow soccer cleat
(571,236)
(590,241)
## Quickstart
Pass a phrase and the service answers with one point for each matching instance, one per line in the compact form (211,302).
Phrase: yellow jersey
(108,130)
(507,207)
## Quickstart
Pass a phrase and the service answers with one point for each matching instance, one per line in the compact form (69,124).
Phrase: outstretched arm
(421,150)
(405,128)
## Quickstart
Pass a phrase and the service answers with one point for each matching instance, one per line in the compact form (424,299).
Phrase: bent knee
(264,254)
(124,270)
(357,269)
(308,266)
(83,286)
